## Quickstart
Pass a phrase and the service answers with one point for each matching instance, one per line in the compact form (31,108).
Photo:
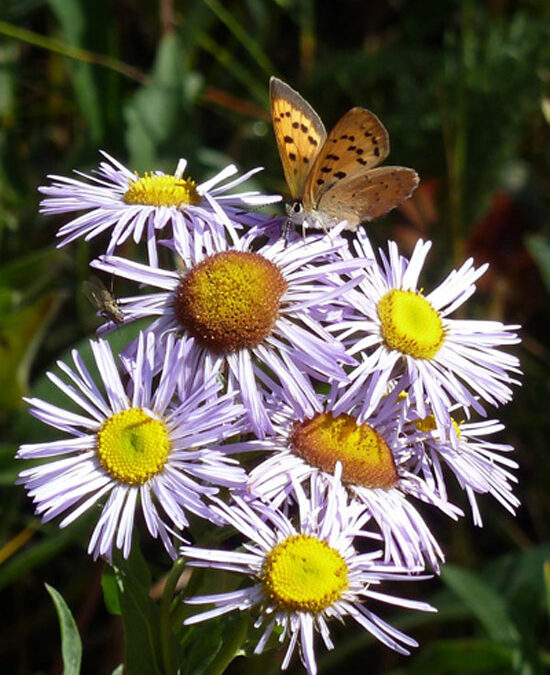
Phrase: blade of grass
(37,40)
(231,23)
(228,61)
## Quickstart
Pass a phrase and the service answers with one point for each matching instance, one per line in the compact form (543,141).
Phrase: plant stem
(165,614)
(230,646)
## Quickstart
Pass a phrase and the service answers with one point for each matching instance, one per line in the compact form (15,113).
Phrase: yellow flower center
(428,423)
(230,300)
(410,324)
(366,458)
(157,190)
(302,573)
(132,446)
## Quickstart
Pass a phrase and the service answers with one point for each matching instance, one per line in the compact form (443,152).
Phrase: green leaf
(158,117)
(483,601)
(19,340)
(71,644)
(73,20)
(110,591)
(210,647)
(140,615)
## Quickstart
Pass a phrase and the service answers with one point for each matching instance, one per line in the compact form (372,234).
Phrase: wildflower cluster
(304,390)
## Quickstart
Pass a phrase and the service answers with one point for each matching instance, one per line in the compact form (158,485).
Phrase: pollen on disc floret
(326,438)
(132,446)
(153,189)
(303,573)
(230,300)
(409,324)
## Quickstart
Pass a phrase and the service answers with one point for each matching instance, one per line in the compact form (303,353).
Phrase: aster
(304,574)
(375,455)
(257,317)
(401,331)
(118,200)
(131,446)
(479,464)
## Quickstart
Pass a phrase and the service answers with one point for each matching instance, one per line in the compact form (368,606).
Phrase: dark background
(463,88)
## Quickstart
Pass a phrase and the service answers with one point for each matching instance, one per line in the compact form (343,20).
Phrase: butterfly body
(335,176)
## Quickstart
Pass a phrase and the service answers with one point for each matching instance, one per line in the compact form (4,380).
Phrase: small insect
(102,299)
(335,177)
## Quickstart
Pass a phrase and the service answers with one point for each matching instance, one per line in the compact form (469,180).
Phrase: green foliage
(462,88)
(140,615)
(71,644)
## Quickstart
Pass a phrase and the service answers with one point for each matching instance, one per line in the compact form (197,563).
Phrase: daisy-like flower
(127,204)
(375,456)
(479,464)
(256,318)
(399,330)
(306,574)
(132,445)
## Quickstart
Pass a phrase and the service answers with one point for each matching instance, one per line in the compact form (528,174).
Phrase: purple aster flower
(306,574)
(257,318)
(398,330)
(132,445)
(375,457)
(127,204)
(479,465)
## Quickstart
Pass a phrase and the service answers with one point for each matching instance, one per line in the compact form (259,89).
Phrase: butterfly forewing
(358,142)
(369,195)
(299,132)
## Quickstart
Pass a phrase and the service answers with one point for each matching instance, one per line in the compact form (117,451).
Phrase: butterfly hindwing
(299,132)
(370,195)
(357,143)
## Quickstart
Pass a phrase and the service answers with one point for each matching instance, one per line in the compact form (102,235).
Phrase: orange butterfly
(335,177)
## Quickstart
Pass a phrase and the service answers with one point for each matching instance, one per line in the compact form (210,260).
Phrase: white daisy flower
(256,318)
(127,204)
(132,445)
(399,330)
(306,574)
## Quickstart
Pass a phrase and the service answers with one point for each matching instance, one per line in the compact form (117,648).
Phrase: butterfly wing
(299,132)
(358,142)
(369,195)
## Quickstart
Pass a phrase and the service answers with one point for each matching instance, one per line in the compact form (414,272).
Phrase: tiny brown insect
(336,177)
(103,300)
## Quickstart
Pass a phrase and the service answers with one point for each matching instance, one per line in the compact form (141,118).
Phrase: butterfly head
(296,213)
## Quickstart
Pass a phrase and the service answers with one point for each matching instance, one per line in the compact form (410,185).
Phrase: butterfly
(336,177)
(103,300)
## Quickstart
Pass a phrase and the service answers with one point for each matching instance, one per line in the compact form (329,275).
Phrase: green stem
(32,38)
(230,647)
(165,614)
